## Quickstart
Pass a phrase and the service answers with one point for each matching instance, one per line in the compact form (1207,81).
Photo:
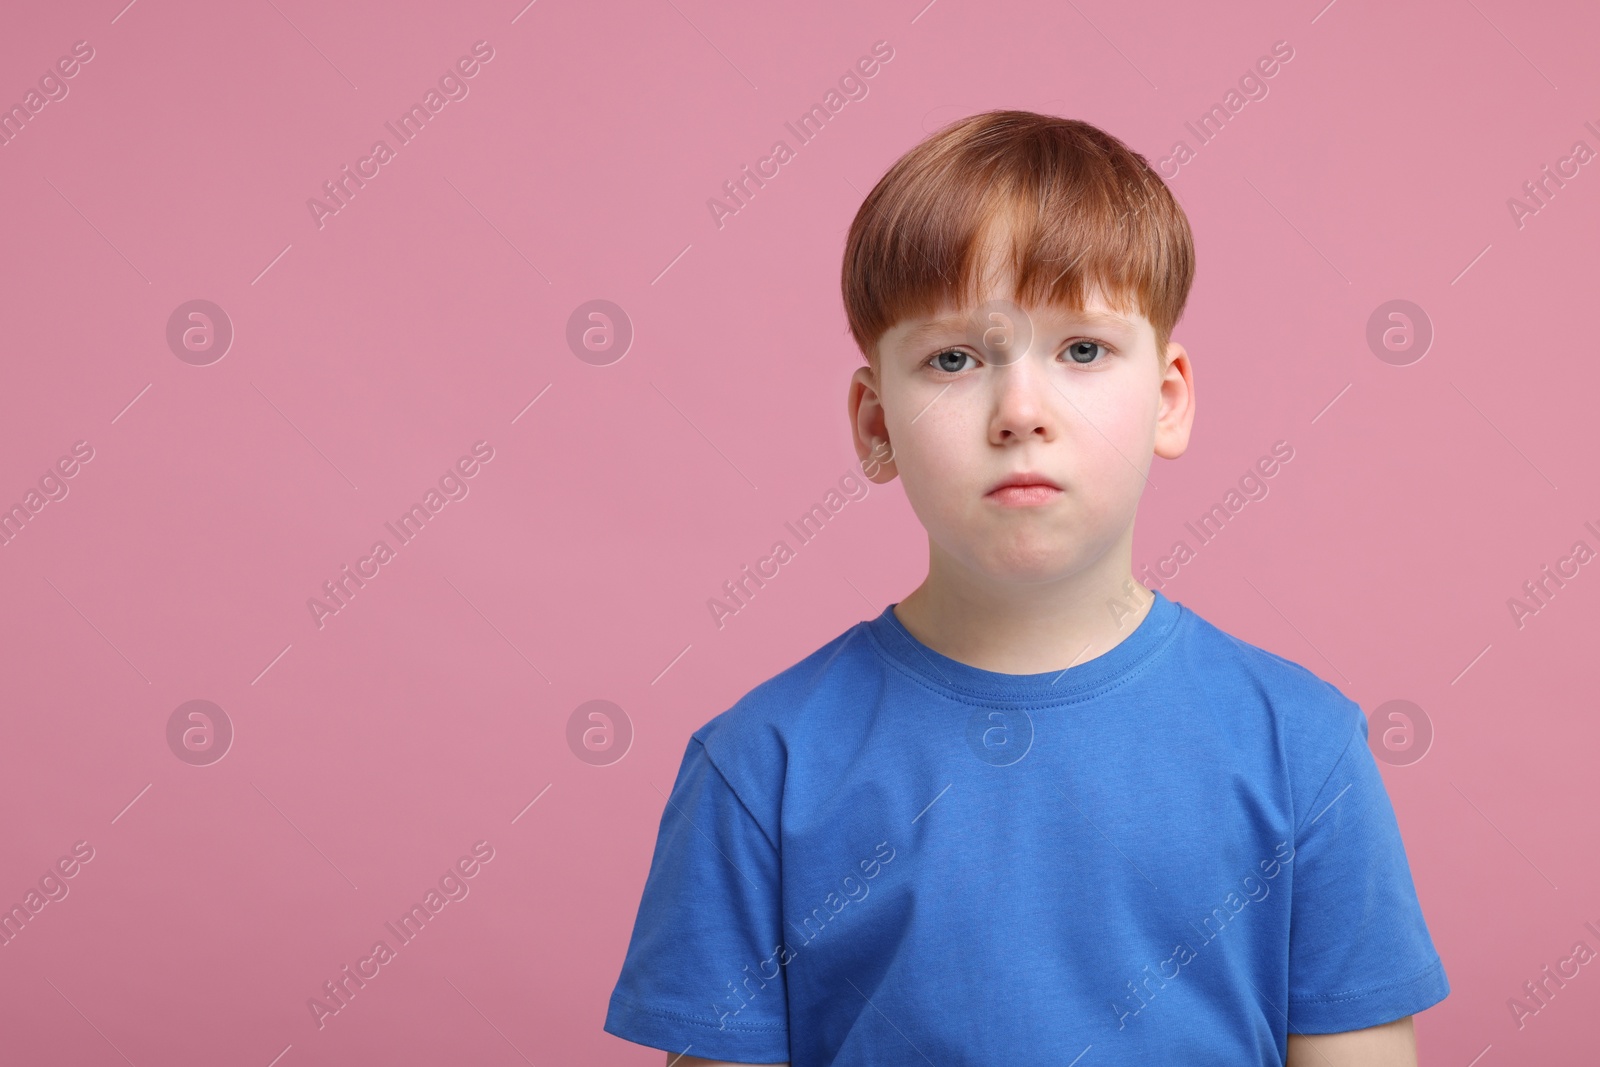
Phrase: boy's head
(1013,282)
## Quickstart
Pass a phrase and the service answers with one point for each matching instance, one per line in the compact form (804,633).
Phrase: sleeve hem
(679,1033)
(1336,1013)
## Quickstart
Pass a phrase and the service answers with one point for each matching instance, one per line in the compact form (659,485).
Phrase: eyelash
(1105,351)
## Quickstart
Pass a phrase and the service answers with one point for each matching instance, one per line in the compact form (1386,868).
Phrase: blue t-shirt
(1175,852)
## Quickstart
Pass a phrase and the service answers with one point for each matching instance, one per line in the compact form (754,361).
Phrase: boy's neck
(1025,629)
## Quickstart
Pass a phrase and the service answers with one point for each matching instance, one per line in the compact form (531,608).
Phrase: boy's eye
(1084,351)
(950,360)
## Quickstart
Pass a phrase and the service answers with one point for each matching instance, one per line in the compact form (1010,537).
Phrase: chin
(1028,564)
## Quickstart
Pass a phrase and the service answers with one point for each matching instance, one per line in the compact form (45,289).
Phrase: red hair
(1083,210)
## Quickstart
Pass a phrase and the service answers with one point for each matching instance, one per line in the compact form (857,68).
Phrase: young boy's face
(1077,402)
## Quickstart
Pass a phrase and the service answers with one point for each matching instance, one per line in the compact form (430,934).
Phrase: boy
(1033,812)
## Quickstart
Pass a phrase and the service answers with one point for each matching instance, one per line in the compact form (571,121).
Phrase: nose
(1023,403)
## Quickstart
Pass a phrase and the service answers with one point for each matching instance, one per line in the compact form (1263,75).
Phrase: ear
(867,427)
(1175,417)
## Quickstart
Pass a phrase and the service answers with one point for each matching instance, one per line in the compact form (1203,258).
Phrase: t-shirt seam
(1343,752)
(1356,994)
(678,1016)
(727,782)
(1037,703)
(1311,675)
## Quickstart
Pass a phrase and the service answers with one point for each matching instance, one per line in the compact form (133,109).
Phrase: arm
(674,1060)
(711,903)
(1389,1045)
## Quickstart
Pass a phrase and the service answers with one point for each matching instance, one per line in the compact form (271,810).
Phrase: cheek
(928,429)
(1126,429)
(1117,429)
(1119,400)
(930,448)
(934,455)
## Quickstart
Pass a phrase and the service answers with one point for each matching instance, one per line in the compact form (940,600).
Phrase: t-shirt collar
(1078,682)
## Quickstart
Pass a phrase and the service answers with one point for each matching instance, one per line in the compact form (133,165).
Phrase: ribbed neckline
(965,682)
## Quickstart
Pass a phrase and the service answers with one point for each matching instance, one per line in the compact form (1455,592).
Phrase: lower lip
(1024,496)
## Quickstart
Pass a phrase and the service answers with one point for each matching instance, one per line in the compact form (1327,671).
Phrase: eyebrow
(937,326)
(1087,318)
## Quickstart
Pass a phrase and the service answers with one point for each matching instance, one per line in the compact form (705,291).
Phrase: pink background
(369,354)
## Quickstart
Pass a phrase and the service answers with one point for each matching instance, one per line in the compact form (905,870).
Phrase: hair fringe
(1100,218)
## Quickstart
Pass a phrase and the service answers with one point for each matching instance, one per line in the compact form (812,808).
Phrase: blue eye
(1076,351)
(943,359)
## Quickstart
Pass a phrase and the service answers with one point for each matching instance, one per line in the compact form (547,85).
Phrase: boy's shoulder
(1283,682)
(1276,674)
(1310,721)
(765,719)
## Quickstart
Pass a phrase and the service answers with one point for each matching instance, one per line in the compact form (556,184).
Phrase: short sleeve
(1359,950)
(702,973)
